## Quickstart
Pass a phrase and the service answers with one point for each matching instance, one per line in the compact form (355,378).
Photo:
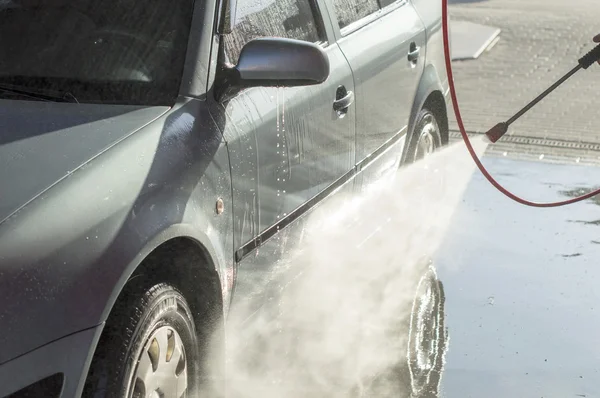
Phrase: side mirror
(277,62)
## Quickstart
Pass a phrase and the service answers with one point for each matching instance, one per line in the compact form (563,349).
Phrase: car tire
(426,137)
(148,344)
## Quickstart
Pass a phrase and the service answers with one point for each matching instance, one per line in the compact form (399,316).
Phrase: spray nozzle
(496,132)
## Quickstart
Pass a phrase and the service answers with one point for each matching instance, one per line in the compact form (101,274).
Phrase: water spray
(496,132)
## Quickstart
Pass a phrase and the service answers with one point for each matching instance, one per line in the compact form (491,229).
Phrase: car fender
(428,84)
(66,255)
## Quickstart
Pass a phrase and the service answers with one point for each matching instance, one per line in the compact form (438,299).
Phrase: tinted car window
(291,19)
(349,11)
(110,51)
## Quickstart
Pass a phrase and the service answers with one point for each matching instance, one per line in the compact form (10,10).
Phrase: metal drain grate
(553,143)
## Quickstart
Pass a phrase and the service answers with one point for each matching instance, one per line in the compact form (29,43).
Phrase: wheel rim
(428,138)
(161,371)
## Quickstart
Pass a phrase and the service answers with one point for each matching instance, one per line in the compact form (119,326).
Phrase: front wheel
(149,347)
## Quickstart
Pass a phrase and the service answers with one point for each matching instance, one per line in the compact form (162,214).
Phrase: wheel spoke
(182,383)
(162,368)
(145,371)
(162,336)
(177,366)
(428,138)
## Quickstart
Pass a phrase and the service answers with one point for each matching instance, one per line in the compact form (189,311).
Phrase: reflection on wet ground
(573,193)
(521,284)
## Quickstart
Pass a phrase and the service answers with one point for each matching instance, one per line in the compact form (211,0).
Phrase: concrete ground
(521,284)
(540,41)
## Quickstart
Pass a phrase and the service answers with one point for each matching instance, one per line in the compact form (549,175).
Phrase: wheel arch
(429,94)
(179,240)
(185,263)
(186,260)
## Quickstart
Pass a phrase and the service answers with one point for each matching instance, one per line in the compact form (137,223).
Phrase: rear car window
(349,11)
(291,19)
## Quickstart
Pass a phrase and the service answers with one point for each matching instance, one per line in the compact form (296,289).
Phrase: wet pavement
(522,286)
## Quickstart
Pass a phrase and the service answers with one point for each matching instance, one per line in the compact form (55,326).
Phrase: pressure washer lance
(496,132)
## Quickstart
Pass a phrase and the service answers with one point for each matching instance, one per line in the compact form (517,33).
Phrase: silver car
(152,152)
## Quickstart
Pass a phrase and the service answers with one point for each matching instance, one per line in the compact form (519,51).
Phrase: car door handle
(340,105)
(413,54)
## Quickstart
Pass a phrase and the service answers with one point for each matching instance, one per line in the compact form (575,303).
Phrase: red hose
(466,137)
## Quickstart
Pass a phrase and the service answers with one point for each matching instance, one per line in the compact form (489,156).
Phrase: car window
(291,19)
(349,11)
(114,51)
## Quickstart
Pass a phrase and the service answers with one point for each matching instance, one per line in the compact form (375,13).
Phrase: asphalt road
(522,295)
(541,40)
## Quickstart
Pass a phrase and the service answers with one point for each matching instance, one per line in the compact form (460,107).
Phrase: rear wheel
(426,137)
(149,347)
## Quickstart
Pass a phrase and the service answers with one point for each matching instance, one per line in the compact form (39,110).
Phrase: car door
(289,147)
(384,44)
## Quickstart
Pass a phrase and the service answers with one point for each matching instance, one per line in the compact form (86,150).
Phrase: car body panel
(199,66)
(302,145)
(41,142)
(67,254)
(68,355)
(430,83)
(385,80)
(265,274)
(430,12)
(286,147)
